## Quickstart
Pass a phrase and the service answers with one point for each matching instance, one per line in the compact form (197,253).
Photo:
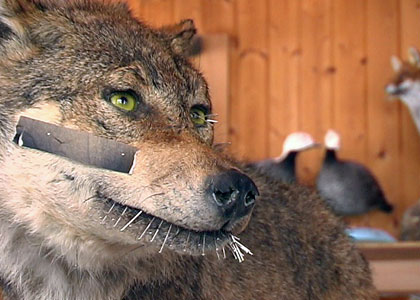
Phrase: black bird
(283,168)
(347,186)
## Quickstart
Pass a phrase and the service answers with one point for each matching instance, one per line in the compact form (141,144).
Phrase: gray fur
(65,227)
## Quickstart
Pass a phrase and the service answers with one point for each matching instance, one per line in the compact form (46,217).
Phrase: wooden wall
(312,65)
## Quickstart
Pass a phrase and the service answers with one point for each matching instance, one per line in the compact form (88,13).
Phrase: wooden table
(395,266)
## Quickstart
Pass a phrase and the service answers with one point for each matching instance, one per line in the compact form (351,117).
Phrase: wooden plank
(410,141)
(248,109)
(214,63)
(390,251)
(350,85)
(395,266)
(396,276)
(317,72)
(350,79)
(218,16)
(189,9)
(382,115)
(155,12)
(284,71)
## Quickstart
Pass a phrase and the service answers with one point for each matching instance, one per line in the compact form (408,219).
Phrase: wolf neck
(31,272)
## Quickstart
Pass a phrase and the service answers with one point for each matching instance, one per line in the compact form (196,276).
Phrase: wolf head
(406,82)
(92,67)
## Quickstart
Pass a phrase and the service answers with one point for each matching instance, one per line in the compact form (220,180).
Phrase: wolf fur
(61,222)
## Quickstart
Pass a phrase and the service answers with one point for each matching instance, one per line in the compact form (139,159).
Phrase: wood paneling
(349,52)
(316,80)
(215,64)
(154,12)
(250,103)
(410,139)
(284,61)
(312,65)
(383,152)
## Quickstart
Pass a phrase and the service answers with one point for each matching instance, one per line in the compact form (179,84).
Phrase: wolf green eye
(124,100)
(198,116)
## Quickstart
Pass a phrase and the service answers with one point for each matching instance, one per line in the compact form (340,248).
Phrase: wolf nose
(234,193)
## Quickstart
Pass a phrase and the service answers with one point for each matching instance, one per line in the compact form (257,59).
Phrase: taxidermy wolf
(169,226)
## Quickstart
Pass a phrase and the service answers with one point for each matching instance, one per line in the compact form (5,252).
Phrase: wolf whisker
(132,250)
(216,247)
(109,211)
(178,230)
(48,253)
(150,196)
(211,121)
(240,245)
(204,244)
(212,115)
(236,248)
(186,242)
(157,230)
(132,220)
(122,214)
(224,252)
(166,237)
(237,254)
(90,198)
(147,228)
(217,254)
(112,207)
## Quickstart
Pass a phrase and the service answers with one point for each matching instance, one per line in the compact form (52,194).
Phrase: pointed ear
(181,37)
(414,56)
(396,63)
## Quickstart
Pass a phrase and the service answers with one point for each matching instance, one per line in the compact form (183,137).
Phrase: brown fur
(59,62)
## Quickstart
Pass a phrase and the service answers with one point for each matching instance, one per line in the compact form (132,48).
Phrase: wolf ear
(181,37)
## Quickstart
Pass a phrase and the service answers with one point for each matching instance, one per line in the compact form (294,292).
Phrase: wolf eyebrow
(156,79)
(137,74)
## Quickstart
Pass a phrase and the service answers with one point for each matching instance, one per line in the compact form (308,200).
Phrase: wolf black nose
(234,193)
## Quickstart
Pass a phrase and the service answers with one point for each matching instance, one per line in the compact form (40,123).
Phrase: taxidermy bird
(283,168)
(406,83)
(348,187)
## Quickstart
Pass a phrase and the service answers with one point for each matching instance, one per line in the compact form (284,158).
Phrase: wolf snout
(233,193)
